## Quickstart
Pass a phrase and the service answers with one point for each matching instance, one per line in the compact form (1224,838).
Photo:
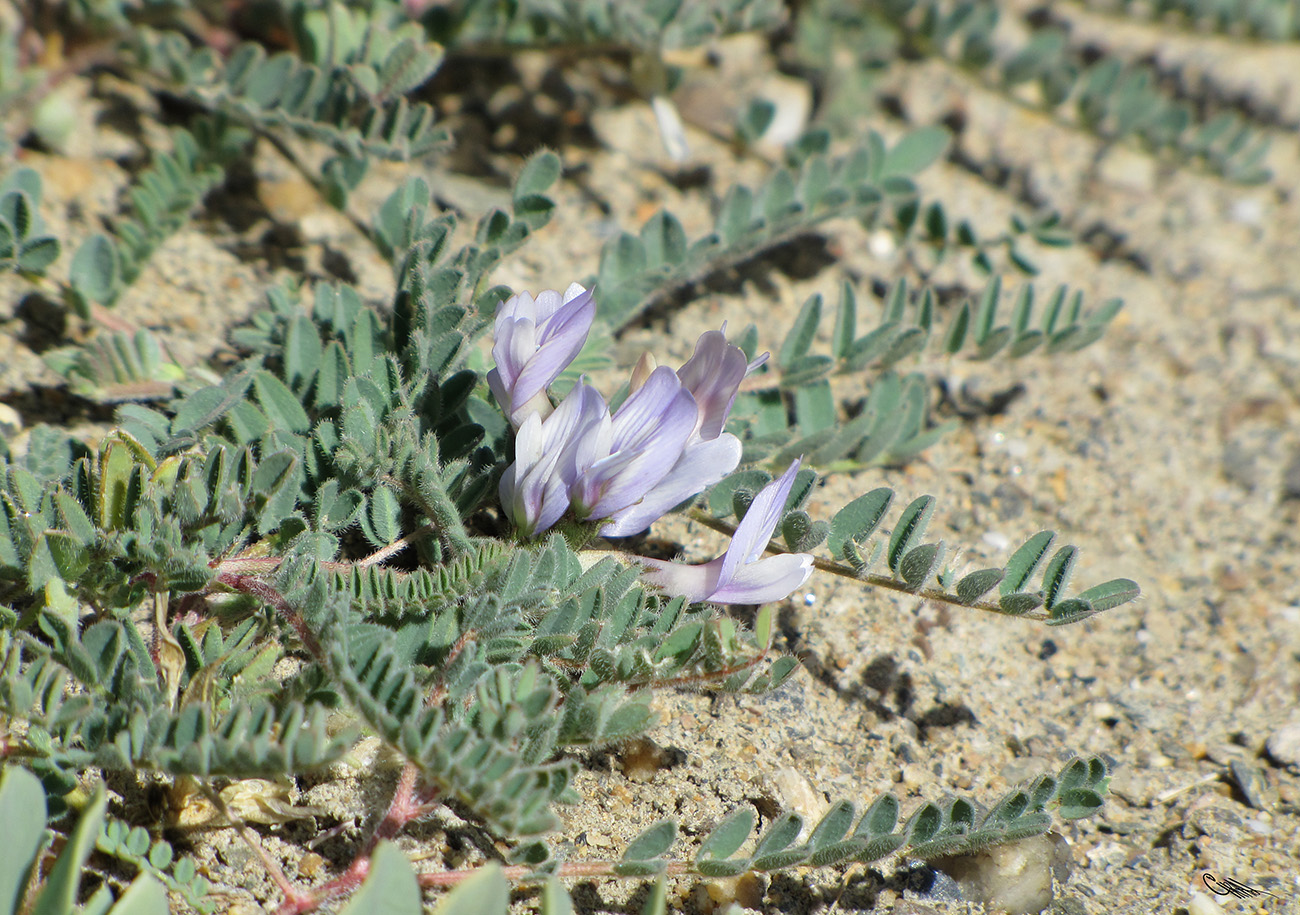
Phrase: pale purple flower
(713,375)
(650,431)
(535,340)
(550,455)
(663,445)
(741,575)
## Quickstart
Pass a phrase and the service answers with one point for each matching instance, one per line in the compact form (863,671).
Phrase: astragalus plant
(415,519)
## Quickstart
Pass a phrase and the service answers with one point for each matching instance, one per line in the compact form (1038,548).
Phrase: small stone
(913,776)
(746,890)
(10,422)
(642,758)
(309,865)
(1284,745)
(1202,904)
(797,793)
(1253,785)
(1016,878)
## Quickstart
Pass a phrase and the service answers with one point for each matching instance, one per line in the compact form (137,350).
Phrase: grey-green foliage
(117,366)
(955,826)
(351,96)
(25,246)
(56,891)
(247,574)
(1272,20)
(652,25)
(797,411)
(162,198)
(906,562)
(873,184)
(1105,96)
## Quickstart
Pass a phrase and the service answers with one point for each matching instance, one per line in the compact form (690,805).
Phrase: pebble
(11,423)
(1284,745)
(797,793)
(1015,878)
(309,865)
(1202,904)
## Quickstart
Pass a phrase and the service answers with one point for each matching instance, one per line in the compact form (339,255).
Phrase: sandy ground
(1169,452)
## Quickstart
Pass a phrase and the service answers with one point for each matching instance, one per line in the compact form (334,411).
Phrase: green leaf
(910,528)
(555,898)
(978,583)
(22,810)
(1077,803)
(801,333)
(778,836)
(845,322)
(653,843)
(538,175)
(919,563)
(407,66)
(727,837)
(391,887)
(656,902)
(1070,611)
(664,239)
(915,152)
(1020,567)
(1111,594)
(95,271)
(1020,602)
(858,520)
(37,254)
(1057,574)
(145,896)
(282,407)
(59,894)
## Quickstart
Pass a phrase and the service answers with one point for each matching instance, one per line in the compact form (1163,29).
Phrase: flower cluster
(621,470)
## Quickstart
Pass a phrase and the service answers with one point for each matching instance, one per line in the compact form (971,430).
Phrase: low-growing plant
(416,519)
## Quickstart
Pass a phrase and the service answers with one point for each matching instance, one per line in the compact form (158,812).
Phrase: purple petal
(713,375)
(559,340)
(755,529)
(695,583)
(701,465)
(625,476)
(639,416)
(769,579)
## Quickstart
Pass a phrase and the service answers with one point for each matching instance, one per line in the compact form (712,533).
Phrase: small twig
(248,584)
(395,547)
